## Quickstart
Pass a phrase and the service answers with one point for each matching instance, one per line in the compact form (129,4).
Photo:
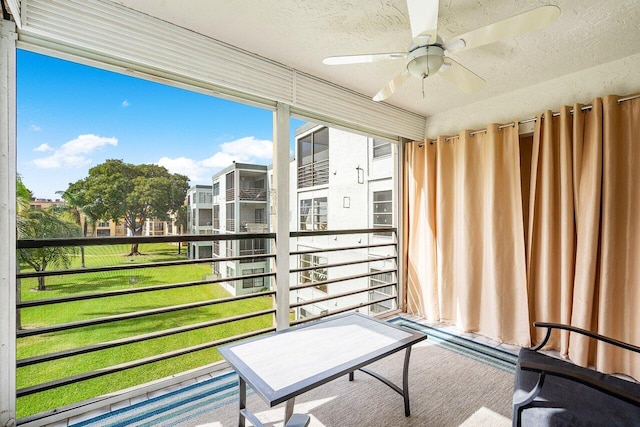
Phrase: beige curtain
(584,229)
(606,297)
(578,259)
(420,235)
(471,193)
(551,225)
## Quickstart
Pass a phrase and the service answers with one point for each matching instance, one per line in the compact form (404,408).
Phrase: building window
(313,159)
(103,233)
(231,212)
(382,210)
(256,282)
(253,247)
(205,197)
(381,293)
(381,149)
(216,189)
(315,275)
(216,216)
(313,214)
(230,186)
(103,224)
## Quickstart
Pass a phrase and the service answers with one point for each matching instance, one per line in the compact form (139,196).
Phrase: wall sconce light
(346,202)
(360,172)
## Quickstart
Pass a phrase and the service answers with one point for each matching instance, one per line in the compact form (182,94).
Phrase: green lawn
(82,310)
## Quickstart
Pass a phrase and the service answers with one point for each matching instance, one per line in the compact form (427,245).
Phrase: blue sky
(72,117)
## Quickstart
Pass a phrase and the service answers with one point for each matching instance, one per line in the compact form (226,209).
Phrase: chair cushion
(568,403)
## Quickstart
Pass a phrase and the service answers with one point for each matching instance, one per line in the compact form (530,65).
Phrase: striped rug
(218,397)
(496,357)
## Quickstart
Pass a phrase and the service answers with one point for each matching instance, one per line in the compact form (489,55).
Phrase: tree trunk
(134,250)
(41,286)
(82,256)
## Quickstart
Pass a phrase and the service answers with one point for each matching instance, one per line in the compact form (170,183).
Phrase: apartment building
(236,202)
(200,219)
(341,180)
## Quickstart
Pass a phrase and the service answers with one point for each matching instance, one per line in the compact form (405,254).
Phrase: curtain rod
(521,122)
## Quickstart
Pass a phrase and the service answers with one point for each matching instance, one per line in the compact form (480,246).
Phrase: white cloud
(189,167)
(43,147)
(35,128)
(125,103)
(73,154)
(243,150)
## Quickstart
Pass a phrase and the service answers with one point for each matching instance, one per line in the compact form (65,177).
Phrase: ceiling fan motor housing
(425,61)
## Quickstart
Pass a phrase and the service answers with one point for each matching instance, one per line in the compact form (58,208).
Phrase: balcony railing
(313,174)
(253,194)
(162,317)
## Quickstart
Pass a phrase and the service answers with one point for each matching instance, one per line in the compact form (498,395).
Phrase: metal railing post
(281,160)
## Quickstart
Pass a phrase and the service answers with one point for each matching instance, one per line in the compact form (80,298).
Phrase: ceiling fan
(426,53)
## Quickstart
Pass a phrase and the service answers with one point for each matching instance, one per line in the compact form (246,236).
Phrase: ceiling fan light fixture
(425,61)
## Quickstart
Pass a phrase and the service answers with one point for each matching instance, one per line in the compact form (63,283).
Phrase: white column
(281,120)
(398,208)
(7,223)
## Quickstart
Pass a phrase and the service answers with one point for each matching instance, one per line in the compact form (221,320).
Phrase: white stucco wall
(621,77)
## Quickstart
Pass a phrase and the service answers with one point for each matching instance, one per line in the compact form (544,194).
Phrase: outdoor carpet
(453,381)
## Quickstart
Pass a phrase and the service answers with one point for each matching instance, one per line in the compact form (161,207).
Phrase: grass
(82,310)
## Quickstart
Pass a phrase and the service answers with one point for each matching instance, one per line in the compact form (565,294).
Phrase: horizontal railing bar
(341,264)
(341,279)
(126,316)
(31,274)
(342,310)
(120,292)
(101,241)
(138,338)
(134,364)
(342,294)
(341,232)
(343,248)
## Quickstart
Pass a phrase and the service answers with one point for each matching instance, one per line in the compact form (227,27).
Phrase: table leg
(243,401)
(288,409)
(405,382)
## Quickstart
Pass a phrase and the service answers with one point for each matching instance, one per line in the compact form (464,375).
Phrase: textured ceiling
(300,33)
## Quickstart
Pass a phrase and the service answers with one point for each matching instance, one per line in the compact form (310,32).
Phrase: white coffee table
(281,365)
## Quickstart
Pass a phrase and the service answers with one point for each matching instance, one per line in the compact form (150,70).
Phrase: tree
(181,222)
(23,197)
(44,224)
(130,193)
(77,212)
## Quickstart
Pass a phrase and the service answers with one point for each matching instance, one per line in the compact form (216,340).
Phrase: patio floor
(210,399)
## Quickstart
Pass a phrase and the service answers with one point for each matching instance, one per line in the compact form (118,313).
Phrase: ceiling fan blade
(359,59)
(423,18)
(523,23)
(462,77)
(391,87)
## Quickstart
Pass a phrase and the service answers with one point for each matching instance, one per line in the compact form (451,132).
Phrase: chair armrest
(551,326)
(603,387)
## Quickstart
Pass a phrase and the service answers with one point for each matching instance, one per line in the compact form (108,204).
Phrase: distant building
(45,203)
(240,205)
(236,202)
(200,219)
